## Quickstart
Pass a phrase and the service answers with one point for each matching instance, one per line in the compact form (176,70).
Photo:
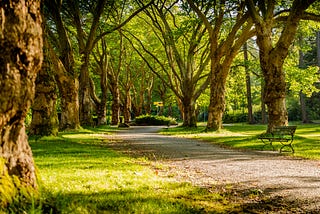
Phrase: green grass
(81,174)
(242,136)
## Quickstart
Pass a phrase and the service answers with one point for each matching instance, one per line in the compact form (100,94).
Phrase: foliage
(154,120)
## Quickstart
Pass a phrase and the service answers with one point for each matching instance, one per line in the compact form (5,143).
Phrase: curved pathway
(207,164)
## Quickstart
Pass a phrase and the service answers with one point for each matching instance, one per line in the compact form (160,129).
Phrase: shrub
(154,120)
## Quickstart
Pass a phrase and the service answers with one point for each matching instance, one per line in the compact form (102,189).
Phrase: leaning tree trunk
(20,60)
(44,115)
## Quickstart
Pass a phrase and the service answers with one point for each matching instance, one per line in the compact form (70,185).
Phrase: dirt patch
(279,184)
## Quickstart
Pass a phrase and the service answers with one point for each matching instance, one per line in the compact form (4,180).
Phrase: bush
(154,120)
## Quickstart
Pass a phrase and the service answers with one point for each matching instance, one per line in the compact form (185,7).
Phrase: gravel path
(206,164)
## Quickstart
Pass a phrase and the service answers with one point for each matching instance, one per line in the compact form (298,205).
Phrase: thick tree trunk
(20,60)
(44,115)
(85,102)
(189,113)
(275,95)
(217,98)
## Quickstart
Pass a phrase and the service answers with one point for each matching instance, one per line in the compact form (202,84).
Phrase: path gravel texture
(206,164)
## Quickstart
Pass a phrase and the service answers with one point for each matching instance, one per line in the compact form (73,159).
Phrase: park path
(206,164)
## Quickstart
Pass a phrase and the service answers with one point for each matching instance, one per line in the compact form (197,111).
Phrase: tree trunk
(189,113)
(127,107)
(85,102)
(275,96)
(68,89)
(102,107)
(65,74)
(251,119)
(20,60)
(217,98)
(115,106)
(318,47)
(302,96)
(44,114)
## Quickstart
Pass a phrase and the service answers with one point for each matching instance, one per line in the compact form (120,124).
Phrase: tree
(86,44)
(225,43)
(100,55)
(20,60)
(62,57)
(184,67)
(266,15)
(251,119)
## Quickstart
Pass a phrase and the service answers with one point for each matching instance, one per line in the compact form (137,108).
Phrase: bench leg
(287,145)
(267,143)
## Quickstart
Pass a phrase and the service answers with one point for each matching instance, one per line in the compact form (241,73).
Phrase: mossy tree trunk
(20,60)
(44,115)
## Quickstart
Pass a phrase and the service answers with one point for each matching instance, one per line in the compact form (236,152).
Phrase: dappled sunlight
(82,175)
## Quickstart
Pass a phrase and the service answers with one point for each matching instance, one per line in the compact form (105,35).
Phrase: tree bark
(44,115)
(20,60)
(217,98)
(85,101)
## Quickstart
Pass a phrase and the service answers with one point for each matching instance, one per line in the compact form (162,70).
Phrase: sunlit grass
(81,174)
(243,136)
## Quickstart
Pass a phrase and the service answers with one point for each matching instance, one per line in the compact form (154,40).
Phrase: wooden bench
(282,134)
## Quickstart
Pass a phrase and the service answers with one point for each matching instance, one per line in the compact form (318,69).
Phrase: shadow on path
(206,164)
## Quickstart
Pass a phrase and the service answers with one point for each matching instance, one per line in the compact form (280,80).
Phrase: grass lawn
(243,136)
(80,174)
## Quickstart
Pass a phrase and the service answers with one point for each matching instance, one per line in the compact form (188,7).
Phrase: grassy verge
(80,174)
(242,136)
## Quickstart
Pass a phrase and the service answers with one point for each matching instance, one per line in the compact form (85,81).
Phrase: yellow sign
(158,103)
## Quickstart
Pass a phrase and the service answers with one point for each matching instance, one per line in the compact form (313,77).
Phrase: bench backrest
(284,130)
